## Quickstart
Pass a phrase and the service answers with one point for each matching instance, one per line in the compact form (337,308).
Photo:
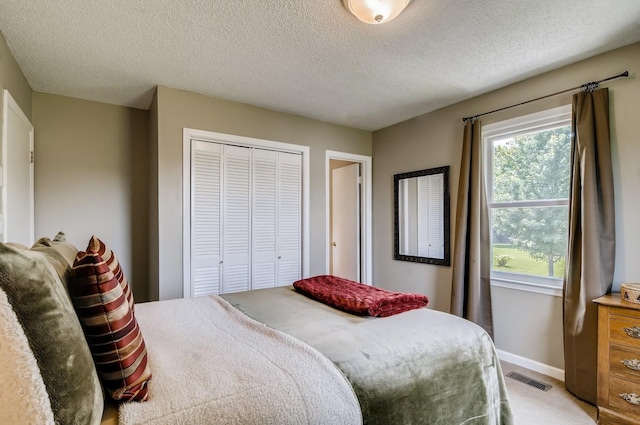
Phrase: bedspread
(418,367)
(212,364)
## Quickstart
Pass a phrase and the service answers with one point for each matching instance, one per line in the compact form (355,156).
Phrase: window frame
(538,121)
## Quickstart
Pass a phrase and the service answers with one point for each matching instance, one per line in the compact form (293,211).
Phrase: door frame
(232,139)
(9,103)
(366,240)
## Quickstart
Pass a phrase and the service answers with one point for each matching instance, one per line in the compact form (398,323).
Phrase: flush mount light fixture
(375,11)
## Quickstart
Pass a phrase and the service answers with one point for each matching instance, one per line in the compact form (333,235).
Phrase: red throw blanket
(357,298)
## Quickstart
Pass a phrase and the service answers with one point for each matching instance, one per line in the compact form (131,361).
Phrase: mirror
(421,216)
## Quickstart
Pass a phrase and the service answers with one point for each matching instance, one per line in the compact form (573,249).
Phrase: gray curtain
(591,251)
(470,289)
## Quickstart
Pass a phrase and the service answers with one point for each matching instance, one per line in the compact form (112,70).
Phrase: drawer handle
(633,364)
(633,332)
(631,398)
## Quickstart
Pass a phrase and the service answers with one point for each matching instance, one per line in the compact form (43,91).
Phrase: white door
(276,218)
(17,175)
(245,218)
(236,213)
(289,218)
(265,218)
(206,218)
(345,210)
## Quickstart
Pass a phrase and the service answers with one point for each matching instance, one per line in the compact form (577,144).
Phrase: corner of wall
(154,238)
(12,78)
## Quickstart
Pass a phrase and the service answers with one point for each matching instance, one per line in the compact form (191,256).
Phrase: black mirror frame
(446,261)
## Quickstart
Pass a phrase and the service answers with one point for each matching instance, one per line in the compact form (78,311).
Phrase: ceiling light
(375,11)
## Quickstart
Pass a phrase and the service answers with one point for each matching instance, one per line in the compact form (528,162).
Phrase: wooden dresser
(618,361)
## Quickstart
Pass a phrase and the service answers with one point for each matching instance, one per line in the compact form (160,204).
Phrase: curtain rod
(585,87)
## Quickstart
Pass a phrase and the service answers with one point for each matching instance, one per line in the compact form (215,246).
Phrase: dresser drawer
(617,387)
(625,330)
(624,362)
(606,417)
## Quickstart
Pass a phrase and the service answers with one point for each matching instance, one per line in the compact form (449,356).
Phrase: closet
(245,217)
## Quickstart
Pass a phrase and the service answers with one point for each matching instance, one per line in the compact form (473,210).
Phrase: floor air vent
(529,381)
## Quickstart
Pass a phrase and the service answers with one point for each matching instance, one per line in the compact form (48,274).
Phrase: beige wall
(526,324)
(91,177)
(12,79)
(179,109)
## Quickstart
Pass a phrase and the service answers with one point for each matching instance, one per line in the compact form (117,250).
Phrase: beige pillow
(60,255)
(60,244)
(23,396)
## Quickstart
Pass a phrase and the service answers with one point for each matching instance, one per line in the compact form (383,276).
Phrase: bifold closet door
(289,218)
(206,218)
(246,218)
(265,218)
(277,199)
(236,218)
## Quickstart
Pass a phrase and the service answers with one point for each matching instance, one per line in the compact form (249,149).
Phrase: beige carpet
(557,406)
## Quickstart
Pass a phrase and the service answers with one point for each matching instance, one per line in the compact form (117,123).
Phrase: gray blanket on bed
(418,367)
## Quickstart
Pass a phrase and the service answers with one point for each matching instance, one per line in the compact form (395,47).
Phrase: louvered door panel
(205,218)
(289,218)
(264,235)
(236,225)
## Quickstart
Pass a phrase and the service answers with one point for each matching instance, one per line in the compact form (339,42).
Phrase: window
(527,173)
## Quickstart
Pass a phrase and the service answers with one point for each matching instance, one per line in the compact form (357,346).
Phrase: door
(289,218)
(17,175)
(245,218)
(345,233)
(236,224)
(206,218)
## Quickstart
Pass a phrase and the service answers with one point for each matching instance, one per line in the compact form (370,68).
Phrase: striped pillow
(96,245)
(110,327)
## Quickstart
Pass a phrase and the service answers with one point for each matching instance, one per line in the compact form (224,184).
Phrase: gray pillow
(39,300)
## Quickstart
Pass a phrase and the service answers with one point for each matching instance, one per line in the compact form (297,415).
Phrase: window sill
(519,285)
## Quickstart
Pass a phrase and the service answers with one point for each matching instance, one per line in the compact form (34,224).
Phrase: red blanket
(357,298)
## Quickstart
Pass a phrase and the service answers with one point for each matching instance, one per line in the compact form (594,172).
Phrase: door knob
(333,244)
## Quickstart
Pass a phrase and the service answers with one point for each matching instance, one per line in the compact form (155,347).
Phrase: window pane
(530,241)
(532,166)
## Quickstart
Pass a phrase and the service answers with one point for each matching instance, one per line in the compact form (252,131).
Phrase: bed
(418,367)
(269,356)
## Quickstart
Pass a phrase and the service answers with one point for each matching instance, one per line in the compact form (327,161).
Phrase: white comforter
(212,364)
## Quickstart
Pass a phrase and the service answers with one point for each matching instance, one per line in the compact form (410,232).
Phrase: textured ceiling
(306,57)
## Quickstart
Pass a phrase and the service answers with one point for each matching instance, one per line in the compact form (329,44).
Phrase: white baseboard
(517,360)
